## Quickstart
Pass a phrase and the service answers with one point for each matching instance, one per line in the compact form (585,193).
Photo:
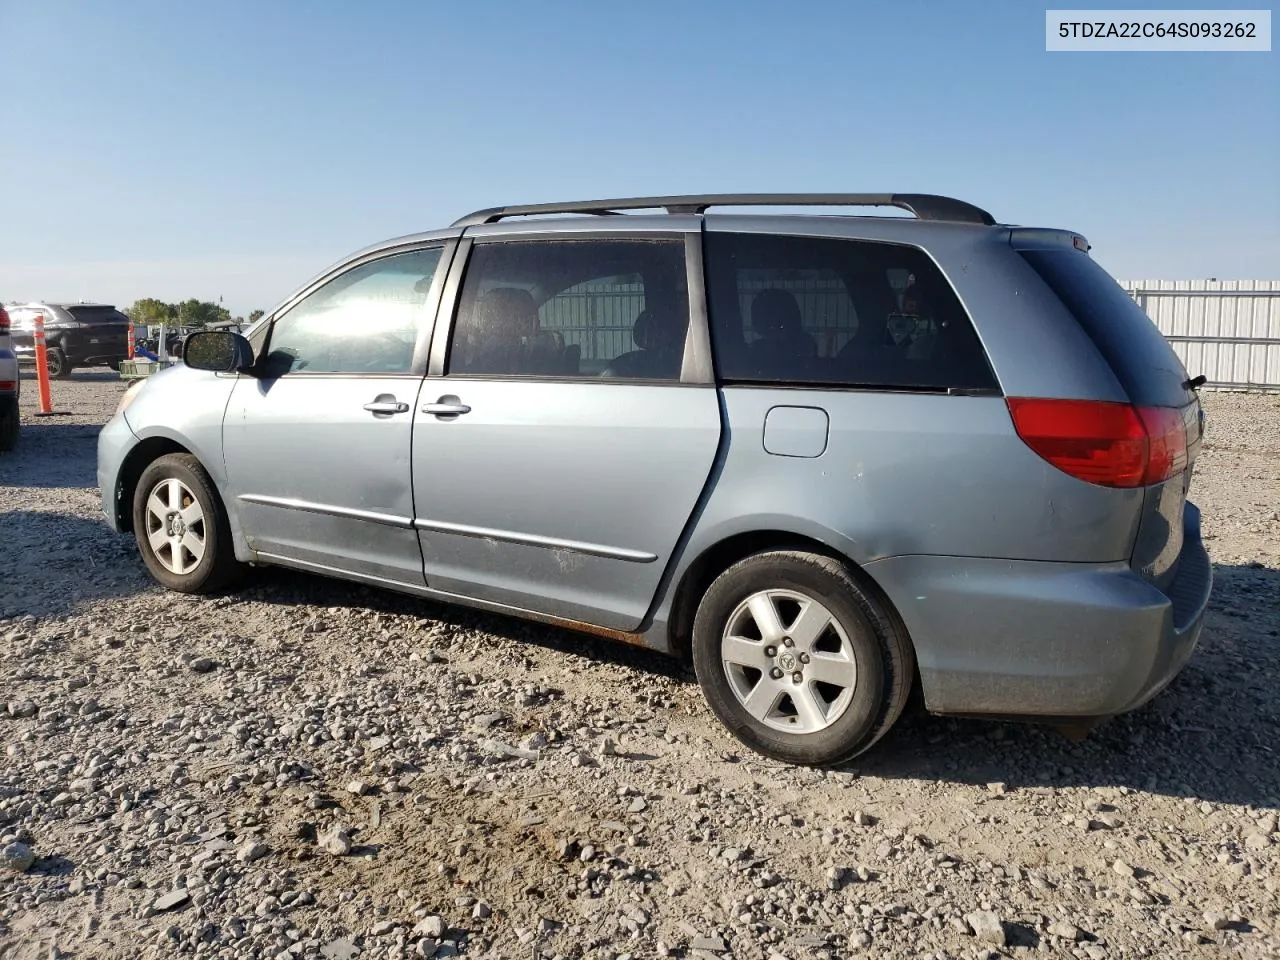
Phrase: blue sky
(234,149)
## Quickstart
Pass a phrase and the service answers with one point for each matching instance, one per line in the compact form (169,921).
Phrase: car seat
(660,342)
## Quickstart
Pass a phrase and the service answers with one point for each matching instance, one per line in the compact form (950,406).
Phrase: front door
(317,445)
(559,456)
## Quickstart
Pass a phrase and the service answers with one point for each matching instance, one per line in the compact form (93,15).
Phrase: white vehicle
(10,388)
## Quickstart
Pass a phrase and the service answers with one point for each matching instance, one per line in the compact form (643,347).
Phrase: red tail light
(4,321)
(1168,435)
(1110,444)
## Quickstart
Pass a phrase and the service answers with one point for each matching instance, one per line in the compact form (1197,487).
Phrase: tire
(178,480)
(10,422)
(57,363)
(857,645)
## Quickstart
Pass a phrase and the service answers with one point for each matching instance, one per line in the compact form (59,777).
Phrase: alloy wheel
(789,661)
(175,526)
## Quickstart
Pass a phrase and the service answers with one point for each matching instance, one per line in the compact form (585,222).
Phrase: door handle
(381,406)
(446,406)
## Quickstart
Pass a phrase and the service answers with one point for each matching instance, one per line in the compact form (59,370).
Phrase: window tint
(1140,356)
(366,320)
(98,315)
(573,308)
(809,310)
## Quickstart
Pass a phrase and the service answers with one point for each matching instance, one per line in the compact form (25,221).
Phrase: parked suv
(826,458)
(76,335)
(10,388)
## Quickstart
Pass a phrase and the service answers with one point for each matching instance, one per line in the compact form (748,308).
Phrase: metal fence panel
(1228,330)
(598,317)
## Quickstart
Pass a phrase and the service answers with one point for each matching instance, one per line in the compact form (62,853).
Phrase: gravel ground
(307,768)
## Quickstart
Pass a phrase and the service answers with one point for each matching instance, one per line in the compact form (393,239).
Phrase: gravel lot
(307,768)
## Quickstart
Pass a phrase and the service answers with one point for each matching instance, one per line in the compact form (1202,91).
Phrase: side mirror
(218,350)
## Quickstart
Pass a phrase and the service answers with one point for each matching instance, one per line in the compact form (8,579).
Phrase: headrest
(507,308)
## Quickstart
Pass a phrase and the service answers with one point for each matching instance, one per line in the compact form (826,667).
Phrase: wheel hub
(788,662)
(175,526)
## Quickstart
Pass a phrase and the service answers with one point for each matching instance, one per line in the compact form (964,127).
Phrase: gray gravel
(307,768)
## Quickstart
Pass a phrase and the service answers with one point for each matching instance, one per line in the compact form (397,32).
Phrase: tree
(150,310)
(256,315)
(200,313)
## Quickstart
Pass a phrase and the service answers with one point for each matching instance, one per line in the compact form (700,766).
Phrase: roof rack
(925,206)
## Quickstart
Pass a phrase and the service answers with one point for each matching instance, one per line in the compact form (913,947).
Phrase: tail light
(4,321)
(1110,444)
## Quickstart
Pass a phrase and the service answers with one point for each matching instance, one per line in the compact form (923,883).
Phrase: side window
(830,312)
(366,320)
(616,309)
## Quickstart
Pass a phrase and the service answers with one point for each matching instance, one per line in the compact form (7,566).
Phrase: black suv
(76,334)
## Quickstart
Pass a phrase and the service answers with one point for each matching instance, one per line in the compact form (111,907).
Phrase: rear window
(816,311)
(98,315)
(1139,355)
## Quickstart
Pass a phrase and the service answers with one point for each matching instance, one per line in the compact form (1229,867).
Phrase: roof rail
(925,206)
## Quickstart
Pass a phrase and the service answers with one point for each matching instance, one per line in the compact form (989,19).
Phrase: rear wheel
(799,661)
(181,526)
(58,365)
(9,423)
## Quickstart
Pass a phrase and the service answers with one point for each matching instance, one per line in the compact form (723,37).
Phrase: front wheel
(181,526)
(798,660)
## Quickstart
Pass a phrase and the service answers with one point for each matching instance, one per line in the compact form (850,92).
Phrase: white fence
(1228,330)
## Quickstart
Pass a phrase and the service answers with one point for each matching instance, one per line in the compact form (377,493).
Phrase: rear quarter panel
(911,474)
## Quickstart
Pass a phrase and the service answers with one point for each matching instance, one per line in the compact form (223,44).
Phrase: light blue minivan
(827,458)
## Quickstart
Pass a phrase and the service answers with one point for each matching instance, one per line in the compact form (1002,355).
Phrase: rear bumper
(1049,640)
